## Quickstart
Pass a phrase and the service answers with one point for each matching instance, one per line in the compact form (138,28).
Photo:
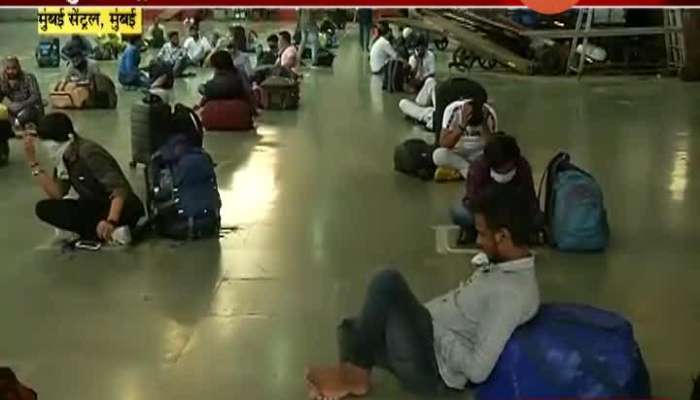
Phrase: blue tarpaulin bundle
(569,351)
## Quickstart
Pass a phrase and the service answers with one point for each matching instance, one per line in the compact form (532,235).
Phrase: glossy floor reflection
(319,209)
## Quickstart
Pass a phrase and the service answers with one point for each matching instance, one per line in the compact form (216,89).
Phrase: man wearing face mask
(107,208)
(22,91)
(502,164)
(455,339)
(466,127)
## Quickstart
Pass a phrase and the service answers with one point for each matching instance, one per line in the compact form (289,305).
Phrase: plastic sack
(569,351)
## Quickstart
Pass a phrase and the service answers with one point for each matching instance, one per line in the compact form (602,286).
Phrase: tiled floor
(320,209)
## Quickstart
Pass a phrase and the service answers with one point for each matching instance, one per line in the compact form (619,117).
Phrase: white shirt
(470,141)
(380,54)
(197,49)
(425,66)
(170,53)
(472,324)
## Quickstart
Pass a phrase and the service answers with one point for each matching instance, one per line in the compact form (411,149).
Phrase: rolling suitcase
(452,90)
(150,127)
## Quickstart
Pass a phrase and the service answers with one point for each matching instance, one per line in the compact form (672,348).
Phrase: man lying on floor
(454,339)
(107,208)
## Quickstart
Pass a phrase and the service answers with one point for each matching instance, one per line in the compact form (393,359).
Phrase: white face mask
(503,178)
(56,150)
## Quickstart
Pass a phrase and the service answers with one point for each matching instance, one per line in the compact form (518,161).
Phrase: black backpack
(415,157)
(185,121)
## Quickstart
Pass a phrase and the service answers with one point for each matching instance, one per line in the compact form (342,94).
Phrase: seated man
(129,72)
(269,57)
(382,51)
(76,43)
(107,208)
(289,57)
(502,164)
(22,92)
(173,54)
(422,64)
(82,69)
(196,47)
(227,82)
(455,339)
(156,34)
(466,126)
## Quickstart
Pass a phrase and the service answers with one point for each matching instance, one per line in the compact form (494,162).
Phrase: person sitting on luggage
(501,164)
(227,82)
(130,75)
(82,70)
(174,54)
(76,43)
(269,57)
(382,51)
(406,43)
(196,47)
(288,57)
(107,208)
(20,88)
(466,127)
(156,34)
(422,65)
(453,340)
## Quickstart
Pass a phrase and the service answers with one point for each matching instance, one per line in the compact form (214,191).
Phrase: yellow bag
(4,114)
(69,95)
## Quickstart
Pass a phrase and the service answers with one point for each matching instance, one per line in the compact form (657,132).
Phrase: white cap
(407,32)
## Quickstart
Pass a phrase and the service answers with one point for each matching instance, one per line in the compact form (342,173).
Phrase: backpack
(415,157)
(105,93)
(575,215)
(324,58)
(47,53)
(183,194)
(12,389)
(185,121)
(394,76)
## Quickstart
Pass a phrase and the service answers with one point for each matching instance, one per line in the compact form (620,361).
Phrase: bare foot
(337,382)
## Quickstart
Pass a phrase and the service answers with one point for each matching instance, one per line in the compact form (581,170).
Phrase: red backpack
(12,389)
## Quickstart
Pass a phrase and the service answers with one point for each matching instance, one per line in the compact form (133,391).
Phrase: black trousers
(394,331)
(82,216)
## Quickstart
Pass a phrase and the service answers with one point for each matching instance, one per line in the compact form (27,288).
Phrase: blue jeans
(394,331)
(461,215)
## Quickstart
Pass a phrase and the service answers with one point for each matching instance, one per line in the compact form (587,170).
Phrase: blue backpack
(575,215)
(183,194)
(47,53)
